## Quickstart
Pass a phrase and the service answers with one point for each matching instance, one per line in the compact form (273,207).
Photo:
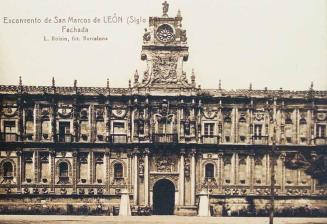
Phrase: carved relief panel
(164,163)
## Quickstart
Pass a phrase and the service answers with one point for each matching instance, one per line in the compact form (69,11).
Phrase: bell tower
(164,49)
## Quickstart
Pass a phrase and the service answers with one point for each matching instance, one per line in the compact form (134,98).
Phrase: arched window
(63,169)
(118,170)
(209,170)
(7,169)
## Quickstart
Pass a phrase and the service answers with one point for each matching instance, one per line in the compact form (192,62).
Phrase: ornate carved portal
(156,177)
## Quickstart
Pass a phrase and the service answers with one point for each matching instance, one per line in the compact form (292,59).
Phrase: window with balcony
(63,169)
(119,133)
(208,134)
(258,131)
(10,131)
(119,127)
(118,171)
(7,170)
(209,171)
(164,132)
(321,131)
(227,168)
(209,129)
(45,129)
(63,173)
(64,132)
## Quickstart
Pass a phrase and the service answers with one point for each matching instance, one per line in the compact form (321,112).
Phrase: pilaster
(19,171)
(135,178)
(146,177)
(251,169)
(52,170)
(107,169)
(181,178)
(74,173)
(282,163)
(220,171)
(193,176)
(36,166)
(91,167)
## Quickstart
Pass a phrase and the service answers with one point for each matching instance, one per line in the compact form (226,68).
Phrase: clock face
(165,33)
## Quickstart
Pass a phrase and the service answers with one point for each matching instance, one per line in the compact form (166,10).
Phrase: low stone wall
(68,205)
(109,205)
(252,206)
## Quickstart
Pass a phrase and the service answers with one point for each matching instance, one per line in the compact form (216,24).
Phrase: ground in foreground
(48,219)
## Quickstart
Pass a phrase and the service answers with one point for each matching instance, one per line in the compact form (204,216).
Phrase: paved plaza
(23,219)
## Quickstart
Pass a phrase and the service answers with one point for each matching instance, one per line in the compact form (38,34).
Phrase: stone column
(220,171)
(268,160)
(37,123)
(53,120)
(235,169)
(146,177)
(130,172)
(107,169)
(282,161)
(181,178)
(91,167)
(236,126)
(92,124)
(193,177)
(313,181)
(74,172)
(21,122)
(36,167)
(52,170)
(135,179)
(251,169)
(107,120)
(19,172)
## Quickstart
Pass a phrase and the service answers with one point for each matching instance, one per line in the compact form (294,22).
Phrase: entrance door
(163,197)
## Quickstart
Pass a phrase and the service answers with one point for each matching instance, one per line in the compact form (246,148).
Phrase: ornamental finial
(75,83)
(179,14)
(20,81)
(136,76)
(53,82)
(193,76)
(250,87)
(107,83)
(311,86)
(165,7)
(219,85)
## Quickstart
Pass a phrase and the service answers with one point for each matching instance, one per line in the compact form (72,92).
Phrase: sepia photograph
(163,111)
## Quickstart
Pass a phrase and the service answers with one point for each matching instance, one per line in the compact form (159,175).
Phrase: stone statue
(165,7)
(146,35)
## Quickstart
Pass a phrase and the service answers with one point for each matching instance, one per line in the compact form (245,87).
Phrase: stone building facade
(163,138)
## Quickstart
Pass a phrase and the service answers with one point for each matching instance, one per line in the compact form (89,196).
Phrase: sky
(269,43)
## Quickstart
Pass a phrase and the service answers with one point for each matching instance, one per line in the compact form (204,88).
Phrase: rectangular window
(321,131)
(10,131)
(119,128)
(209,129)
(64,131)
(258,130)
(10,126)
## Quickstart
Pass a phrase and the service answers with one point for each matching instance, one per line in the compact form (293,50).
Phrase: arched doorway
(163,197)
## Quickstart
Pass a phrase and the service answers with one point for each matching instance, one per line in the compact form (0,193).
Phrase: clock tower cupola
(165,49)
